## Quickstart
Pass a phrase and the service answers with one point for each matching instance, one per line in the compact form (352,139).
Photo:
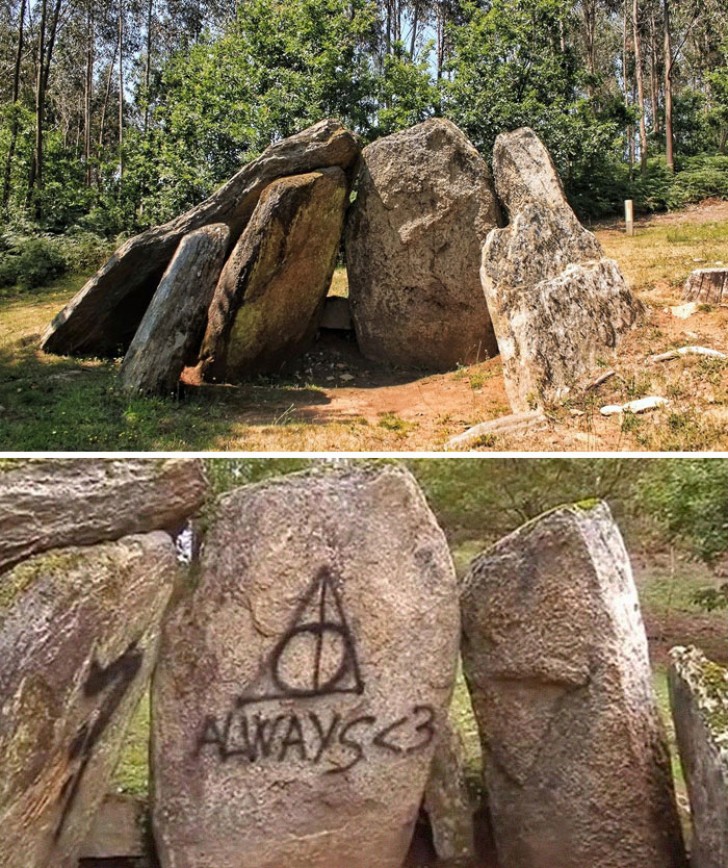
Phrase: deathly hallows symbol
(315,656)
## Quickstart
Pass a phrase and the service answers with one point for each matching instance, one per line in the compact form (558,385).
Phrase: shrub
(40,261)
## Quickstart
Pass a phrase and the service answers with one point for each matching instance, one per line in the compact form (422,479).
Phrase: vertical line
(320,634)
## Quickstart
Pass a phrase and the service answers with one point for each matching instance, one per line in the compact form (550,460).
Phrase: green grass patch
(132,773)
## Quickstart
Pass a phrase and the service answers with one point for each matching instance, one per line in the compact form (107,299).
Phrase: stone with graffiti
(303,685)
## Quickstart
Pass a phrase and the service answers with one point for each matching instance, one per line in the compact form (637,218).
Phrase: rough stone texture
(424,207)
(119,829)
(79,630)
(555,656)
(270,296)
(326,624)
(104,316)
(170,334)
(337,315)
(46,503)
(707,286)
(699,699)
(447,800)
(556,303)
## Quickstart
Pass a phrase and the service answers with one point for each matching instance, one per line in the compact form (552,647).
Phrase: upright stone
(270,297)
(79,630)
(447,804)
(47,503)
(424,207)
(104,316)
(555,656)
(302,688)
(557,304)
(707,286)
(170,334)
(699,699)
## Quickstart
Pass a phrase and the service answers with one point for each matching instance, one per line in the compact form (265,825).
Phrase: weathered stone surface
(47,503)
(119,829)
(301,689)
(104,316)
(555,656)
(175,321)
(424,207)
(707,286)
(556,302)
(79,630)
(447,800)
(699,699)
(337,315)
(268,302)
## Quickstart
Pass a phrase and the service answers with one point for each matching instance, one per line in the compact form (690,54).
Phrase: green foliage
(515,64)
(30,263)
(484,500)
(689,498)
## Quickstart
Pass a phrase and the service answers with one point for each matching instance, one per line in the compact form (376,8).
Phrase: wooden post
(629,216)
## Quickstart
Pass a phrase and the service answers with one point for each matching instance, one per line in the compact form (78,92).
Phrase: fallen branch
(602,378)
(510,424)
(639,406)
(688,351)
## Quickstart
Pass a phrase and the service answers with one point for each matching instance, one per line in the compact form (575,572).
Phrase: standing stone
(424,207)
(699,699)
(447,801)
(269,300)
(302,688)
(707,286)
(555,656)
(557,304)
(46,503)
(79,630)
(104,316)
(175,321)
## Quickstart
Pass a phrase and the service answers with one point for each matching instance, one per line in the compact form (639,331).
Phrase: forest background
(118,114)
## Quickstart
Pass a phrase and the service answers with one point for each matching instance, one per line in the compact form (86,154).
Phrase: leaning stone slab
(79,630)
(555,656)
(47,503)
(301,690)
(424,207)
(707,286)
(699,700)
(104,316)
(270,297)
(170,334)
(557,304)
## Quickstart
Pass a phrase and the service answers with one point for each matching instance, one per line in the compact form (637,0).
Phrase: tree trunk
(107,97)
(88,95)
(16,99)
(415,25)
(121,90)
(148,65)
(35,182)
(640,84)
(654,75)
(669,137)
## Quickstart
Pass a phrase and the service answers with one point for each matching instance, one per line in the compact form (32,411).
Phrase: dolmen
(237,287)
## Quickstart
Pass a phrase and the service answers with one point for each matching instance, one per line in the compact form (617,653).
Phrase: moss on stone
(588,504)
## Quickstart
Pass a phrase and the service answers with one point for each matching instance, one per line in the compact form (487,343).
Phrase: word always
(257,737)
